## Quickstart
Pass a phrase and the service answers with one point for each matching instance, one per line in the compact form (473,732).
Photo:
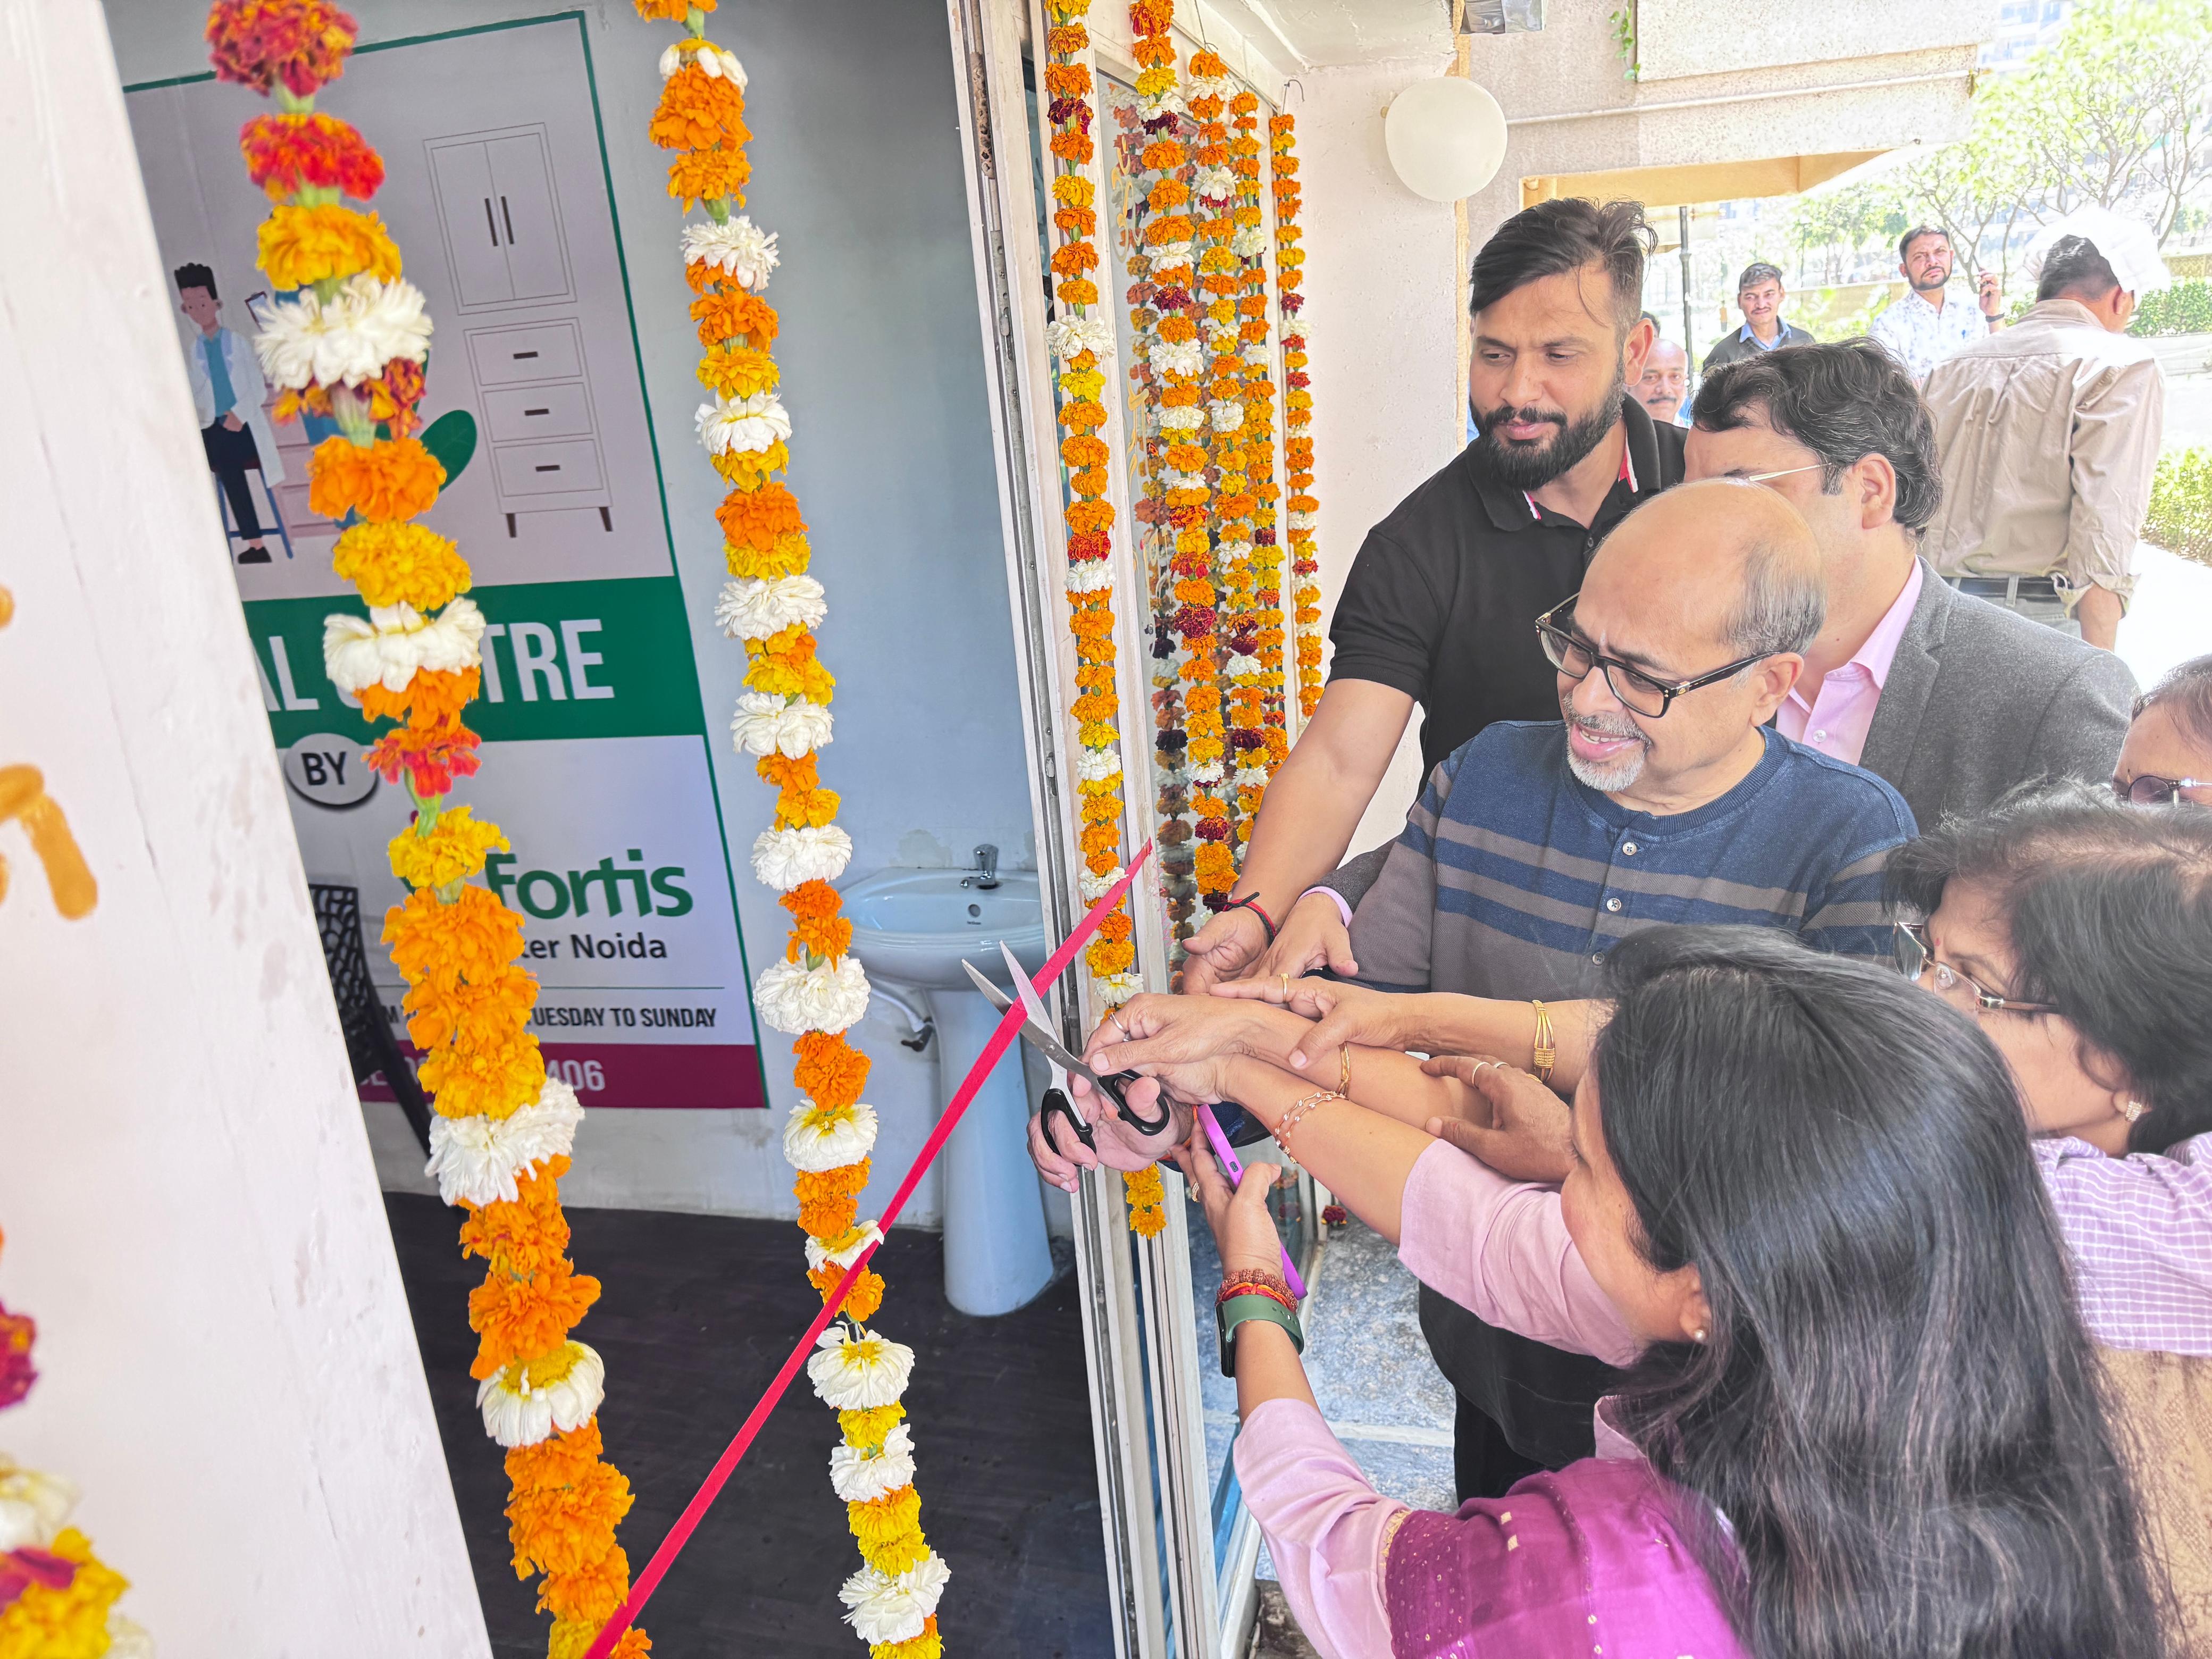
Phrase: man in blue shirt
(1759,296)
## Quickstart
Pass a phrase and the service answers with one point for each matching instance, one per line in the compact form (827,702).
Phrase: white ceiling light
(1446,137)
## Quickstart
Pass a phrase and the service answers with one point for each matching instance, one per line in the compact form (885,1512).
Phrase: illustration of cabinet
(502,223)
(537,418)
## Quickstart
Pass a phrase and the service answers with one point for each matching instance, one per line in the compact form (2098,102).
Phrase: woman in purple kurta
(1862,1418)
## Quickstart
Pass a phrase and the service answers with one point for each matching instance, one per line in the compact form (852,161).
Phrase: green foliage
(1624,38)
(2117,110)
(2180,519)
(2184,308)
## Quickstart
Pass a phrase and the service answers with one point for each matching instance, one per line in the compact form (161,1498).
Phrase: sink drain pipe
(921,1026)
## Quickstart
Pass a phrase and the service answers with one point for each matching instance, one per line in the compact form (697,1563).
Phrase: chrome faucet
(987,868)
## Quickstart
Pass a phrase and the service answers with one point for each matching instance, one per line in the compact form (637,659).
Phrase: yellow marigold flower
(400,564)
(749,468)
(1073,190)
(868,1427)
(881,1521)
(788,557)
(63,1624)
(895,1555)
(1147,1196)
(737,371)
(453,851)
(301,246)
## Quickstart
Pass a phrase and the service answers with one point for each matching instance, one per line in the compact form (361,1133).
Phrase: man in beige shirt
(2049,433)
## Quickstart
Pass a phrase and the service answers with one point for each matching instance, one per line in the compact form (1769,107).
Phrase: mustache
(1498,416)
(1611,727)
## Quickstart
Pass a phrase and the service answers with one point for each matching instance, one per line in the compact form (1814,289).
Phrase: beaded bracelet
(1262,1276)
(1284,1298)
(1297,1115)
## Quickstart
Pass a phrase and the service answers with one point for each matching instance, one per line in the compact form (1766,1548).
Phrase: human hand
(1313,936)
(1164,1037)
(1341,1013)
(1988,292)
(1514,1123)
(231,422)
(1224,948)
(1244,1230)
(1061,1158)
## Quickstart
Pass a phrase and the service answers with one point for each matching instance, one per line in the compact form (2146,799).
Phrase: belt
(2008,587)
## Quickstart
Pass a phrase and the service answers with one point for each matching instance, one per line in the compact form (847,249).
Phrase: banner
(595,744)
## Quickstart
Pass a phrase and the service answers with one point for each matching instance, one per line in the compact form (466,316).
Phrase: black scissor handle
(1055,1104)
(1116,1085)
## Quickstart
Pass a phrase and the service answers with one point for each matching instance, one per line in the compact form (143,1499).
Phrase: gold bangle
(1542,1056)
(1297,1114)
(1344,1069)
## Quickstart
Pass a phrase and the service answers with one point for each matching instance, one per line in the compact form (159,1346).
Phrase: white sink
(916,927)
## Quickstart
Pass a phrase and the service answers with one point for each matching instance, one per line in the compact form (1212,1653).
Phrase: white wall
(856,165)
(192,1218)
(1381,314)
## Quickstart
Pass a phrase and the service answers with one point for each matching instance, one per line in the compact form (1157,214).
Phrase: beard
(1929,283)
(1531,465)
(1614,775)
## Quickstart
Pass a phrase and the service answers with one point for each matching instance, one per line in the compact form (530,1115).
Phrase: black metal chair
(369,1042)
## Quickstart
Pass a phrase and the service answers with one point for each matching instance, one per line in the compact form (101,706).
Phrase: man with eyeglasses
(1953,699)
(1663,795)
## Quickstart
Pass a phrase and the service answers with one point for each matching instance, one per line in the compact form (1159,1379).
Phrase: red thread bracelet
(1251,903)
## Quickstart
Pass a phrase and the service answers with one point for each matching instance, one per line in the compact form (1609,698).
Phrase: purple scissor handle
(1226,1155)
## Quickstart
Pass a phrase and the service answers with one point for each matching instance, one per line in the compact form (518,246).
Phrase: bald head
(1719,566)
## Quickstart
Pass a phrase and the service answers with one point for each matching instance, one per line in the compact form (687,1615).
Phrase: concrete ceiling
(1330,32)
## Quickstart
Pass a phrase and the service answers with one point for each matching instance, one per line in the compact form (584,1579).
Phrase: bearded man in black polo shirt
(1441,606)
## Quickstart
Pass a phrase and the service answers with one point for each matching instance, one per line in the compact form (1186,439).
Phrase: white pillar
(229,1372)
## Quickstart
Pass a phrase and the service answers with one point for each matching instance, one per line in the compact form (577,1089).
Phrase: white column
(229,1372)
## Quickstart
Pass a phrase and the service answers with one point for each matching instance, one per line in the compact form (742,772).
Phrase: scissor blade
(1023,989)
(992,994)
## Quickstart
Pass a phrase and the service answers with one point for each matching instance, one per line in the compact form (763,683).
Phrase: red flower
(17,1331)
(259,43)
(433,755)
(287,154)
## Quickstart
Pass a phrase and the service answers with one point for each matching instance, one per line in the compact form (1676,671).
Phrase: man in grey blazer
(1950,699)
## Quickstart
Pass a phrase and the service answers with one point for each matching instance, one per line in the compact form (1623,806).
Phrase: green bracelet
(1228,1316)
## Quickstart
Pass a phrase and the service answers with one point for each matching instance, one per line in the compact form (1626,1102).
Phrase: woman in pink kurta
(1861,1418)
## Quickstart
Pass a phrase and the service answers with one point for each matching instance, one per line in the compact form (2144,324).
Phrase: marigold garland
(1155,157)
(57,1598)
(503,1129)
(1300,507)
(818,990)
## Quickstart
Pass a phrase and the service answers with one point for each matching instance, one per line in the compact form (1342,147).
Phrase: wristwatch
(1228,1316)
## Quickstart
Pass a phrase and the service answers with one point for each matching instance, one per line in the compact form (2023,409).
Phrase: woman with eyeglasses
(2078,932)
(2167,756)
(1861,1417)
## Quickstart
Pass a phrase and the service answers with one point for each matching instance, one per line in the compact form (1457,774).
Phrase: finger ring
(1118,1026)
(1286,987)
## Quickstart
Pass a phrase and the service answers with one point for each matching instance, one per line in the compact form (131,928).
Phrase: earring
(1698,1336)
(2133,1110)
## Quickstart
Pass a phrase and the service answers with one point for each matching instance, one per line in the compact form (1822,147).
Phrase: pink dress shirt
(1836,722)
(2140,1230)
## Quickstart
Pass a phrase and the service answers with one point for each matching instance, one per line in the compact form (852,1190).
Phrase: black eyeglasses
(1638,692)
(2146,789)
(1916,955)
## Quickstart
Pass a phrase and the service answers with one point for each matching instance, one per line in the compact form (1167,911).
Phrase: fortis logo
(550,894)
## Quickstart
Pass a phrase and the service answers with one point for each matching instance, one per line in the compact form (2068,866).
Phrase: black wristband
(1250,901)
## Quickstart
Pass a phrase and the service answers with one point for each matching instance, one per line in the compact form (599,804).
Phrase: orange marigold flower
(864,1298)
(846,1180)
(784,665)
(432,755)
(756,517)
(474,938)
(1146,1194)
(390,481)
(259,43)
(300,245)
(431,698)
(1078,291)
(1067,39)
(698,111)
(830,1071)
(709,175)
(827,1218)
(493,1082)
(668,11)
(736,315)
(287,154)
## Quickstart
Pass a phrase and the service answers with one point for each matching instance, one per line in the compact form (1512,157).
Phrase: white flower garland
(394,640)
(739,249)
(827,996)
(884,1609)
(861,1474)
(366,325)
(746,425)
(768,725)
(755,607)
(478,1159)
(516,1414)
(782,859)
(819,1138)
(859,1372)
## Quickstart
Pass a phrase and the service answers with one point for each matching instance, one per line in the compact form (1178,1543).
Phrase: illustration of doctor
(227,391)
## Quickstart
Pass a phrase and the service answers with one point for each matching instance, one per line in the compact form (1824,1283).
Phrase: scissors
(1036,1030)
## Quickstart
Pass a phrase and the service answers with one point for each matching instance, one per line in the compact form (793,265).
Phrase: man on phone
(1930,322)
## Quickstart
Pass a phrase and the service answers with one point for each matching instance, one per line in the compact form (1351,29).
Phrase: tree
(2118,110)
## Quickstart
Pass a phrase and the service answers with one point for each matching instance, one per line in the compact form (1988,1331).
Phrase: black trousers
(1483,1463)
(230,457)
